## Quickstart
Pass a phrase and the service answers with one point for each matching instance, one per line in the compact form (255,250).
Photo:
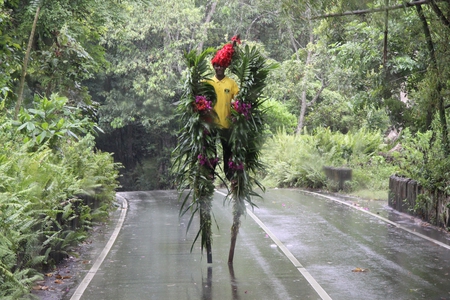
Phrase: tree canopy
(344,65)
(81,78)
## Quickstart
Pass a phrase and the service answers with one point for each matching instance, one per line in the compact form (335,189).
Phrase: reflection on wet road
(341,253)
(334,241)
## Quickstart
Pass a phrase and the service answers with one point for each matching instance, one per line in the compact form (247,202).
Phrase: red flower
(202,104)
(236,39)
(223,56)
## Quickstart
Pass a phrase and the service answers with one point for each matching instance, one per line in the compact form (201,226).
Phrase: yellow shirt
(226,90)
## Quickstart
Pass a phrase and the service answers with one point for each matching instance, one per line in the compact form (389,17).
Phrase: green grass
(370,194)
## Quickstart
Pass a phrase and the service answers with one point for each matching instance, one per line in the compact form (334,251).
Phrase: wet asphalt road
(294,246)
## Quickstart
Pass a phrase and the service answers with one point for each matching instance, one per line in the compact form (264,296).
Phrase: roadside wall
(407,196)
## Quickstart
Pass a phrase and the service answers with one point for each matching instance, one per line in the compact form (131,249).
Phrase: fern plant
(42,215)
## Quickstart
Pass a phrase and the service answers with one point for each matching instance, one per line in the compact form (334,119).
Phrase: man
(226,90)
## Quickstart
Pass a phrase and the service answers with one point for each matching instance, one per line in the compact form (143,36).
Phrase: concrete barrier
(338,175)
(405,194)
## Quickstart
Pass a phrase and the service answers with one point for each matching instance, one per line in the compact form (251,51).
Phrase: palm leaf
(195,141)
(247,133)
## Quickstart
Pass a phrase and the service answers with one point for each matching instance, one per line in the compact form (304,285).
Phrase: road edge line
(314,284)
(381,218)
(91,273)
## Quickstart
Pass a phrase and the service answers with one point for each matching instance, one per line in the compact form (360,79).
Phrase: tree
(308,71)
(436,102)
(25,65)
(434,69)
(57,43)
(139,88)
(10,57)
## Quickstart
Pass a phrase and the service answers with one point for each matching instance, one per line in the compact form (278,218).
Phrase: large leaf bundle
(247,129)
(195,155)
(248,120)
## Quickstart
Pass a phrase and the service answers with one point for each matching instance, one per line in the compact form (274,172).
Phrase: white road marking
(320,291)
(87,279)
(315,285)
(383,219)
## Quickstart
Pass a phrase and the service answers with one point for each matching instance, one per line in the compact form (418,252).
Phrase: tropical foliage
(350,72)
(298,161)
(247,133)
(196,153)
(54,184)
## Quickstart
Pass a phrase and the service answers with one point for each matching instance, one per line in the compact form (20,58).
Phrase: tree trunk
(305,79)
(294,45)
(301,117)
(440,14)
(386,24)
(369,11)
(25,64)
(207,20)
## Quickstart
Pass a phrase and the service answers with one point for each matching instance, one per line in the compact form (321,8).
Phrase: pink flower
(204,161)
(242,108)
(202,104)
(235,166)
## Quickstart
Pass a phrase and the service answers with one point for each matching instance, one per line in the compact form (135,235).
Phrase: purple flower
(204,161)
(235,166)
(242,108)
(202,104)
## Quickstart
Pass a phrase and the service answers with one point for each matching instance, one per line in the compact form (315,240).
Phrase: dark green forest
(89,91)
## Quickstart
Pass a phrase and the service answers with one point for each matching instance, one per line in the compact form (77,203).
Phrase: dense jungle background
(88,92)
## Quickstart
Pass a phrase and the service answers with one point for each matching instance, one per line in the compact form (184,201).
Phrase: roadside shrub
(298,160)
(51,189)
(278,117)
(424,159)
(292,161)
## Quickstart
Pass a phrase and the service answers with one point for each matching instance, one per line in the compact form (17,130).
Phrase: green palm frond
(251,69)
(198,74)
(194,141)
(247,138)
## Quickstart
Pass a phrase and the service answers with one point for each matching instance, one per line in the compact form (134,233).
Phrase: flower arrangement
(202,104)
(224,56)
(241,108)
(195,156)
